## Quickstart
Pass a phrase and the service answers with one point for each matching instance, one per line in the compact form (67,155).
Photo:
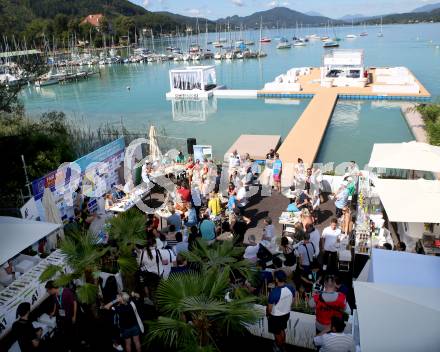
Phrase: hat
(280,275)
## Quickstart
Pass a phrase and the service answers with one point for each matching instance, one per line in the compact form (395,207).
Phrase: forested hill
(57,18)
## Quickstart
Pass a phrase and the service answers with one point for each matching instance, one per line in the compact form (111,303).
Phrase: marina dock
(304,139)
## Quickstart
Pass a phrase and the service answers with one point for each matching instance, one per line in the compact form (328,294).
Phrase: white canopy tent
(408,156)
(397,318)
(397,302)
(18,234)
(415,201)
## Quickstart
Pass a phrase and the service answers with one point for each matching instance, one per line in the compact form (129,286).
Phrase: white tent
(410,200)
(397,318)
(408,156)
(397,302)
(18,234)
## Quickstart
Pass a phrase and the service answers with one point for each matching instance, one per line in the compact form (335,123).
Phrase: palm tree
(83,260)
(194,312)
(220,256)
(126,231)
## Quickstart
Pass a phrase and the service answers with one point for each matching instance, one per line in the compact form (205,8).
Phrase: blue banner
(99,155)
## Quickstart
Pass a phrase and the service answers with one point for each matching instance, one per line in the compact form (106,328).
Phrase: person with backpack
(151,268)
(327,304)
(306,254)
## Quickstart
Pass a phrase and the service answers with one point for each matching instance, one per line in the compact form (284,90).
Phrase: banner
(29,210)
(99,166)
(202,151)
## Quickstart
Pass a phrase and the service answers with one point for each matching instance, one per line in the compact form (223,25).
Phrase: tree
(126,231)
(221,256)
(122,25)
(194,313)
(83,263)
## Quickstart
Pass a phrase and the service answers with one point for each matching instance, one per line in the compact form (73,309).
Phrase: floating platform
(193,94)
(311,85)
(304,139)
(256,145)
(236,93)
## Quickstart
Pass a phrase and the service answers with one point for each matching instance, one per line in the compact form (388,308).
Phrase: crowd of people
(295,266)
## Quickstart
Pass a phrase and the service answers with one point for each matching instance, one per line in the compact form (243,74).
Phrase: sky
(214,9)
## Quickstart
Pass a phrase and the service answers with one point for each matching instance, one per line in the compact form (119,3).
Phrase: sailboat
(263,39)
(380,34)
(351,36)
(364,33)
(284,44)
(261,53)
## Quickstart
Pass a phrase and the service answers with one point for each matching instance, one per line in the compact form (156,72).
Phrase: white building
(343,68)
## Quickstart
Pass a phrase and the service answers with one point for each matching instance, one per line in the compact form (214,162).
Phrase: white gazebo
(343,68)
(196,82)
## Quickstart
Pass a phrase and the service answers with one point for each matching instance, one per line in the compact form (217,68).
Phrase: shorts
(276,178)
(277,323)
(130,332)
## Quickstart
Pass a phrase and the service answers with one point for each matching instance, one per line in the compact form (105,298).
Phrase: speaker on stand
(190,142)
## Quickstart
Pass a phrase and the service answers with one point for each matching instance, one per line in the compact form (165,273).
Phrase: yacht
(265,40)
(284,44)
(299,43)
(350,36)
(330,44)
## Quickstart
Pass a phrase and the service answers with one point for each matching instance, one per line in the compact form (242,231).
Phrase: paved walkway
(415,122)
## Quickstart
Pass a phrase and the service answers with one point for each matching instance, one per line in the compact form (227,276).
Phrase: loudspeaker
(190,142)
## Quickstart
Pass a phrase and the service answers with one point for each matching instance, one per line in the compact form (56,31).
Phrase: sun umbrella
(52,214)
(155,153)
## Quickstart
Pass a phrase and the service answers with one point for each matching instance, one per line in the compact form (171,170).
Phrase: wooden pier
(304,139)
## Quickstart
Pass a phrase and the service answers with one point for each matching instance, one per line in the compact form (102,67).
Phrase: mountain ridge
(427,8)
(277,16)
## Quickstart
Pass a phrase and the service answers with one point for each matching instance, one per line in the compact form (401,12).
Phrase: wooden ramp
(305,137)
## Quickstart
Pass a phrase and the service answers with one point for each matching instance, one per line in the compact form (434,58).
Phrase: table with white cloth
(128,202)
(288,218)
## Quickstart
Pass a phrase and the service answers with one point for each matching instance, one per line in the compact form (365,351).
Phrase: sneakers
(117,347)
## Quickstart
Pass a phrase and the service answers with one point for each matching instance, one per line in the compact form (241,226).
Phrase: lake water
(354,127)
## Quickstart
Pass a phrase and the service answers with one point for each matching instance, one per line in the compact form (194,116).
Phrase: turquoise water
(351,132)
(356,125)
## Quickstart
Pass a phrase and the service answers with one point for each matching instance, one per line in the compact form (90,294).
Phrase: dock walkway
(304,139)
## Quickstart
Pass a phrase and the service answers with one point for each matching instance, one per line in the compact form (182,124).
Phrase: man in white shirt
(330,236)
(335,340)
(278,309)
